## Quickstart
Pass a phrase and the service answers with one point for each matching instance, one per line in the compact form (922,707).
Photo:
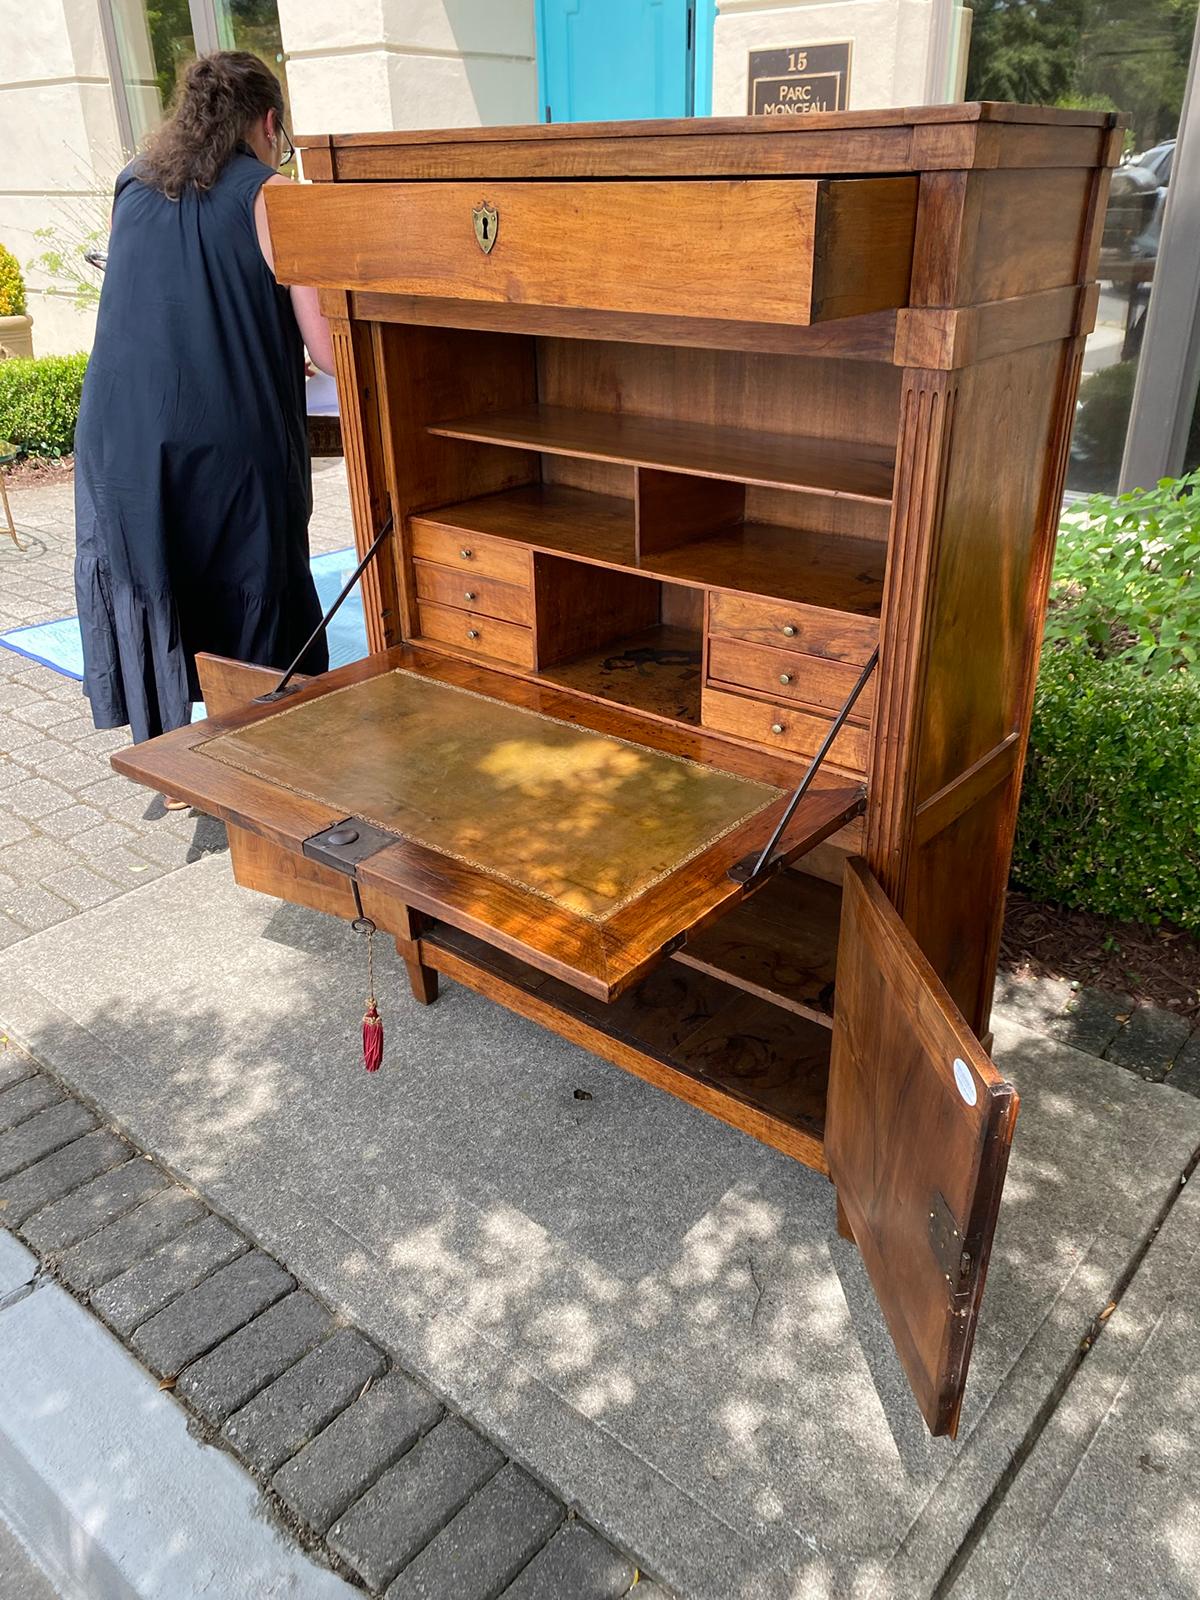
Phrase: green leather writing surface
(583,819)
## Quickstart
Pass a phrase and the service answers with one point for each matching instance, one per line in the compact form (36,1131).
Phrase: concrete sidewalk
(1108,1502)
(649,1310)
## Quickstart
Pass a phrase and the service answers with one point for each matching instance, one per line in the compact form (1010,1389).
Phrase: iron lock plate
(346,843)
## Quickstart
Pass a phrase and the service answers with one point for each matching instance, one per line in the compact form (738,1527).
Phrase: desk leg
(424,980)
(843,1222)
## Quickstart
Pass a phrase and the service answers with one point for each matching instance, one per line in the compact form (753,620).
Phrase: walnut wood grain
(476,634)
(360,414)
(833,466)
(457,548)
(788,675)
(860,339)
(918,1127)
(257,864)
(787,724)
(656,259)
(601,957)
(780,945)
(582,609)
(814,569)
(810,628)
(448,586)
(672,510)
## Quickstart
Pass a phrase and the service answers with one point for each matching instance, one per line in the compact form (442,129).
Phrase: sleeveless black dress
(192,480)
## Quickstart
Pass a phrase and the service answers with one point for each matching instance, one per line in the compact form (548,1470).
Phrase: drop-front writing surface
(585,820)
(679,424)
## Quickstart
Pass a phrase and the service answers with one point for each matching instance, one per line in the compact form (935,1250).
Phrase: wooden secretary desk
(705,445)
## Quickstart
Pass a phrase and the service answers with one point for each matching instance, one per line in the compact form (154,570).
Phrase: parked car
(1133,222)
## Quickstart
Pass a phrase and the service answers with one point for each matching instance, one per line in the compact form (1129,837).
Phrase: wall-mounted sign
(793,82)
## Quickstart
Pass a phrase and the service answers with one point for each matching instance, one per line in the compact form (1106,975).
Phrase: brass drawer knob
(466,554)
(468,594)
(789,630)
(777,727)
(785,677)
(472,633)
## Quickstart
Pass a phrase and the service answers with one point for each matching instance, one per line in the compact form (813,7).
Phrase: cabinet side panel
(994,235)
(366,477)
(995,525)
(957,883)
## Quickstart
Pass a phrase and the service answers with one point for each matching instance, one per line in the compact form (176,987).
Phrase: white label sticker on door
(965,1080)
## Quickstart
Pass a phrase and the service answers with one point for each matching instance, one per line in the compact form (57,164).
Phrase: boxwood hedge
(1110,811)
(39,403)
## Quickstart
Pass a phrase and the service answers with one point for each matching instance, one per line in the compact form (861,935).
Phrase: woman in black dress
(192,478)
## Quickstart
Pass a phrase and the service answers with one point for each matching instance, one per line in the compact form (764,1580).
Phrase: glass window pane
(1118,55)
(155,43)
(254,25)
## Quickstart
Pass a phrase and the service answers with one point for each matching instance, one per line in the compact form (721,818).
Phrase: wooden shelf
(690,1033)
(856,471)
(780,945)
(815,569)
(795,564)
(657,671)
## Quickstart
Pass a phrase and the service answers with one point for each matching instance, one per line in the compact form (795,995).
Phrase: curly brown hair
(219,97)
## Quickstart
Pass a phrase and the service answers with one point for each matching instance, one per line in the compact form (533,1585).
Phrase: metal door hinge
(955,1255)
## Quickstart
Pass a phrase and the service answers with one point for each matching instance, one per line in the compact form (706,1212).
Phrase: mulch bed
(1158,966)
(33,472)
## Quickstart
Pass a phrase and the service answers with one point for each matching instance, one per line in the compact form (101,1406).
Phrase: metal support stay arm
(281,688)
(748,871)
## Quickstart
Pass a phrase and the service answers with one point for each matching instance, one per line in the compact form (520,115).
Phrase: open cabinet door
(917,1135)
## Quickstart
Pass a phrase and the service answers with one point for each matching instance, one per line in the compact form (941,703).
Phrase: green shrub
(1127,577)
(1110,812)
(12,286)
(39,403)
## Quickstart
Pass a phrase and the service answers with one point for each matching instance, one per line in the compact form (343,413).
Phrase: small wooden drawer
(484,636)
(840,635)
(813,249)
(445,586)
(784,726)
(788,675)
(478,554)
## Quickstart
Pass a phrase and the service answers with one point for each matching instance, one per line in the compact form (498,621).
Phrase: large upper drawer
(794,250)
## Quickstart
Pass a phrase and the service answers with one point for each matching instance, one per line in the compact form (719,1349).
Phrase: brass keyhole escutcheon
(486,221)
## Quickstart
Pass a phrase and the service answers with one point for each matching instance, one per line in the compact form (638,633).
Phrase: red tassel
(372,1039)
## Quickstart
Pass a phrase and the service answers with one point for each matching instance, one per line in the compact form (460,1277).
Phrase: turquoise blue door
(610,60)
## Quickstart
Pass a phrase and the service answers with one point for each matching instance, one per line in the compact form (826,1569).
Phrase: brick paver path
(72,833)
(359,1460)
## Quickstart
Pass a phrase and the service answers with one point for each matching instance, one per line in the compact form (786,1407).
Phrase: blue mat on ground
(58,645)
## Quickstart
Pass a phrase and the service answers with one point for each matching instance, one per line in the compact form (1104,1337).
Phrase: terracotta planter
(16,337)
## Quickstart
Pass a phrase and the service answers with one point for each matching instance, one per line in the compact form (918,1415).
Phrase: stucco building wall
(890,57)
(59,148)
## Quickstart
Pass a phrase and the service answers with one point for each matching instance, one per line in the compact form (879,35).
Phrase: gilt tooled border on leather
(496,872)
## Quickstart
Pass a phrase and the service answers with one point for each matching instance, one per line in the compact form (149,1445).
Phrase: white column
(384,64)
(58,135)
